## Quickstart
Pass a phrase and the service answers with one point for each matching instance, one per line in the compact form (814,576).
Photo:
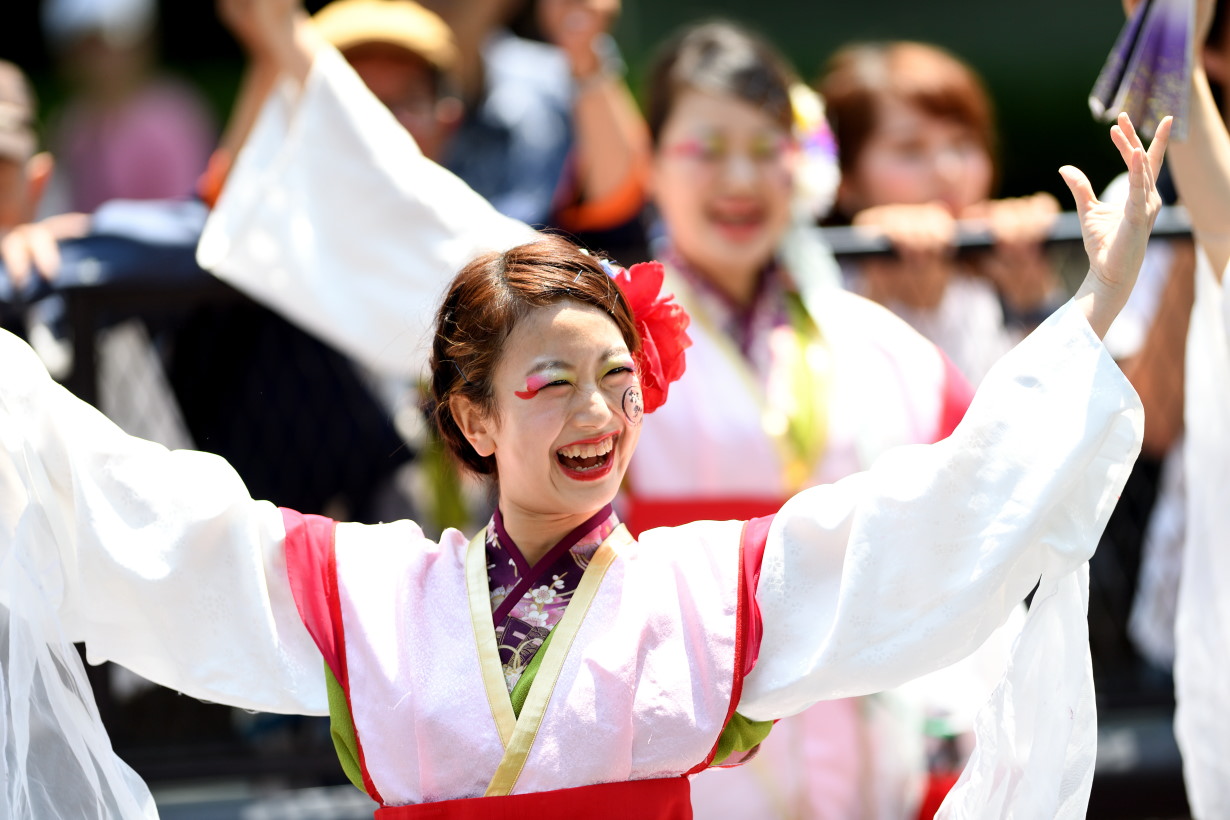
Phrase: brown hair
(927,77)
(720,58)
(483,305)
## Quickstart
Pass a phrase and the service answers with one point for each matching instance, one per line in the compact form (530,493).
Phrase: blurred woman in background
(917,146)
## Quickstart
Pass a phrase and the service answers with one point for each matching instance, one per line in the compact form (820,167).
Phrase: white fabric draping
(158,559)
(1036,739)
(1202,623)
(395,204)
(56,761)
(412,210)
(161,561)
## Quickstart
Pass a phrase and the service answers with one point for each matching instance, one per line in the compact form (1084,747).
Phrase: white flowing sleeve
(158,560)
(908,567)
(333,217)
(1202,622)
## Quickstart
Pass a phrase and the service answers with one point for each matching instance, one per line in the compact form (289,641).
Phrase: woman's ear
(474,424)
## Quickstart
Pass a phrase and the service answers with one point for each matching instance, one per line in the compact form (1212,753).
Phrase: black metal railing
(848,242)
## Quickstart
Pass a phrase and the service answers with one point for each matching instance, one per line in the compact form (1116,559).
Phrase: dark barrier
(861,243)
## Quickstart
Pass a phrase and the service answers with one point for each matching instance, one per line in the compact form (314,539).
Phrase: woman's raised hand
(1116,236)
(271,31)
(257,23)
(574,26)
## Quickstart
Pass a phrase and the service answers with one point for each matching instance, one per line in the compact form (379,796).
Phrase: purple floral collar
(527,602)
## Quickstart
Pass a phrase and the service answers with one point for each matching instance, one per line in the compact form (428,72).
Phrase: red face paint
(534,383)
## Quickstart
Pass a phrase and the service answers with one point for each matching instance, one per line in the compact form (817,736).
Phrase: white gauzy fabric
(56,761)
(334,218)
(942,542)
(159,560)
(1202,625)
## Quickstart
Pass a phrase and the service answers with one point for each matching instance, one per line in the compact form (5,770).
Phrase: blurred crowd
(729,167)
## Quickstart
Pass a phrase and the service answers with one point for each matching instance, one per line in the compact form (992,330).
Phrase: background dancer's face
(913,157)
(560,433)
(723,184)
(914,125)
(410,88)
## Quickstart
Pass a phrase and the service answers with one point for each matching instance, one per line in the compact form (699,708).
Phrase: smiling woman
(535,383)
(553,665)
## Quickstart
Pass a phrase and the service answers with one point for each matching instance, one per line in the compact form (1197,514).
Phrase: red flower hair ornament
(662,324)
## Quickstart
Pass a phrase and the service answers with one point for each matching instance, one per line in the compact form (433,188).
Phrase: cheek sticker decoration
(633,404)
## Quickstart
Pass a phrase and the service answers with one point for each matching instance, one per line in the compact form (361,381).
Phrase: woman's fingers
(1125,138)
(1024,221)
(44,250)
(16,257)
(1121,141)
(1125,123)
(1139,182)
(1157,150)
(1078,184)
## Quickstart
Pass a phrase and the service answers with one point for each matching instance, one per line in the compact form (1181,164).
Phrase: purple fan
(1148,71)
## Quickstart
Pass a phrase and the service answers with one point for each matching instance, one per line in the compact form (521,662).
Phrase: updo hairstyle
(724,59)
(483,305)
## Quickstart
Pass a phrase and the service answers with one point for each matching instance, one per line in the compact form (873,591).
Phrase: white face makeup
(723,182)
(561,438)
(914,158)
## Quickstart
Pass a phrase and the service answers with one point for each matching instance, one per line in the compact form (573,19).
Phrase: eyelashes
(536,382)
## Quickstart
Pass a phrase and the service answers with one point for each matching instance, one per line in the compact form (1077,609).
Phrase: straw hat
(404,23)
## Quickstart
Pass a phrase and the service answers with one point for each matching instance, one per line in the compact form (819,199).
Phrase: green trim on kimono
(341,729)
(341,724)
(521,689)
(740,735)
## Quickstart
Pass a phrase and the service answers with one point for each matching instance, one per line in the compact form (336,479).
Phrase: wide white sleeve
(333,217)
(1202,622)
(158,560)
(908,567)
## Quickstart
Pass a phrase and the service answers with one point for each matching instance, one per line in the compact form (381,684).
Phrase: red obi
(667,798)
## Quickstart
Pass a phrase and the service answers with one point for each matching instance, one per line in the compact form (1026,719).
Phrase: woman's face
(567,412)
(723,183)
(405,83)
(912,158)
